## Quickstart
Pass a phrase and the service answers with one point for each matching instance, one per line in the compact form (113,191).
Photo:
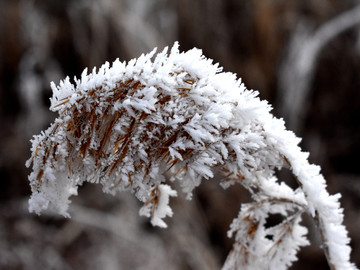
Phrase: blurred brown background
(302,56)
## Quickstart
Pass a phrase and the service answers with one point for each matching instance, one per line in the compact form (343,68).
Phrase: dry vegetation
(40,41)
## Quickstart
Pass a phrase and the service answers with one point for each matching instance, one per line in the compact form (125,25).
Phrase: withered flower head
(129,125)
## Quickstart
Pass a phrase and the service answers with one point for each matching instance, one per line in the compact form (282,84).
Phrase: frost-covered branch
(128,125)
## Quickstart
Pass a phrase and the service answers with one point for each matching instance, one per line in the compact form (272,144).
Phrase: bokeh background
(302,56)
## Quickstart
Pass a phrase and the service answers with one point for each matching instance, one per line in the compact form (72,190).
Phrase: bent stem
(323,238)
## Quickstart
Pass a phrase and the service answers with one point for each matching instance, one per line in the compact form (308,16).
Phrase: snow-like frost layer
(126,125)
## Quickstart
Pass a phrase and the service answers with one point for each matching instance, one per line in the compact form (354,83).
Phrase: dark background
(275,46)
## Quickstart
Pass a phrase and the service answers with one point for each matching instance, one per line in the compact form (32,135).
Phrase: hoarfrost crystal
(127,125)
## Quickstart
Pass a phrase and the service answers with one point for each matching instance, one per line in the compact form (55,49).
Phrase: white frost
(125,126)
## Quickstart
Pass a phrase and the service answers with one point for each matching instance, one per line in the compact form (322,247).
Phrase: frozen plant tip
(177,114)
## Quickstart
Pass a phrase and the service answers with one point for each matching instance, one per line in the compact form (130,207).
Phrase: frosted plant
(176,114)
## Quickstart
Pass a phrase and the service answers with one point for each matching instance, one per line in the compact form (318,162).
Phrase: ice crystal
(127,125)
